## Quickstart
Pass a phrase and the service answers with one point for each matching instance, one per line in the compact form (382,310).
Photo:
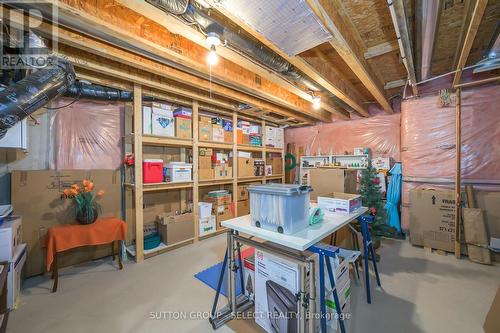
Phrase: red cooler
(152,171)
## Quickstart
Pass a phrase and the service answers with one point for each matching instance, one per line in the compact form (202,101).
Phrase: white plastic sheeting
(289,24)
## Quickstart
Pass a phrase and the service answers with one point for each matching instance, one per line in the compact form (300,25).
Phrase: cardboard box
(245,167)
(36,195)
(207,225)
(222,213)
(146,120)
(243,207)
(205,151)
(432,219)
(205,119)
(359,151)
(239,136)
(242,193)
(245,139)
(183,127)
(249,276)
(14,281)
(219,200)
(339,203)
(270,137)
(204,209)
(276,163)
(492,321)
(175,228)
(11,236)
(328,180)
(205,162)
(381,163)
(162,121)
(206,174)
(279,137)
(223,172)
(259,167)
(204,131)
(228,136)
(217,133)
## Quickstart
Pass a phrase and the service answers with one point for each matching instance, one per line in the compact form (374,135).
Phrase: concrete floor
(422,292)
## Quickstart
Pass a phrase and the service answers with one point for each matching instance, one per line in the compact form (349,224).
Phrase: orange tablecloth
(64,237)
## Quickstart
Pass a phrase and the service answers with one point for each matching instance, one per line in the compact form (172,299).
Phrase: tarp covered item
(393,197)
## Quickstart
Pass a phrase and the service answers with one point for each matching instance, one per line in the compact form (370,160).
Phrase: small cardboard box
(222,213)
(219,200)
(327,180)
(175,228)
(205,131)
(492,321)
(381,163)
(205,119)
(245,167)
(246,139)
(228,136)
(339,203)
(242,193)
(223,172)
(205,151)
(217,133)
(183,127)
(205,162)
(243,207)
(276,163)
(432,219)
(162,122)
(206,174)
(207,225)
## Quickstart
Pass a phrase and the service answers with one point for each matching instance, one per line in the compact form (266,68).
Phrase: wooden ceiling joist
(380,49)
(120,24)
(332,82)
(475,20)
(332,15)
(406,45)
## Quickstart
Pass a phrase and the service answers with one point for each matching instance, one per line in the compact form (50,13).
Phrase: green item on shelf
(151,241)
(218,193)
(315,215)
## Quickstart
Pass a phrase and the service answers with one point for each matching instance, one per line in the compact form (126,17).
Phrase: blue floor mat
(210,277)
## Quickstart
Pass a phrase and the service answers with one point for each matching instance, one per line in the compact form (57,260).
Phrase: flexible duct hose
(85,90)
(26,96)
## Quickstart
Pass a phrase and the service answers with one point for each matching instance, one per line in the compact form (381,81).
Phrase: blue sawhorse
(368,250)
(325,252)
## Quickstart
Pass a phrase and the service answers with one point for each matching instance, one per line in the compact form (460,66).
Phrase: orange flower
(90,186)
(74,192)
(100,193)
(86,182)
(75,187)
(67,192)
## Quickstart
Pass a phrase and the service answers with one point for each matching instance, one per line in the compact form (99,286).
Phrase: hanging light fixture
(212,57)
(316,102)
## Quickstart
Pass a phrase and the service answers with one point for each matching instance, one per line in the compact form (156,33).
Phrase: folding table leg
(335,295)
(219,286)
(374,260)
(322,304)
(364,233)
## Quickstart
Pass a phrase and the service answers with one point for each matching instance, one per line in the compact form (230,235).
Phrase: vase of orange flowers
(85,200)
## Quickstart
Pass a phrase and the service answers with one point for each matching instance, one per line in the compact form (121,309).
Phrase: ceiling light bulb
(213,39)
(316,102)
(212,57)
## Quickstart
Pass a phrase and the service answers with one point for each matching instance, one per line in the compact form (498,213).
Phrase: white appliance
(16,136)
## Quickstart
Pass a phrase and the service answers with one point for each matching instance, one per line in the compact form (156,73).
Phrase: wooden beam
(381,49)
(196,177)
(463,30)
(138,194)
(394,84)
(458,170)
(397,9)
(330,79)
(331,14)
(128,29)
(430,16)
(475,20)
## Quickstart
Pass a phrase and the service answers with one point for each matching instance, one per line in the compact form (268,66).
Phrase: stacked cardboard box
(243,132)
(205,128)
(276,164)
(228,131)
(243,200)
(183,122)
(245,164)
(174,229)
(205,170)
(222,206)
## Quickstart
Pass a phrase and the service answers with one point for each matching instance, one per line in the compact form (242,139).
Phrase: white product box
(359,151)
(270,136)
(179,172)
(381,163)
(245,154)
(11,236)
(207,225)
(277,281)
(269,170)
(245,127)
(162,120)
(14,276)
(255,130)
(382,182)
(146,120)
(249,276)
(218,134)
(204,210)
(279,138)
(339,203)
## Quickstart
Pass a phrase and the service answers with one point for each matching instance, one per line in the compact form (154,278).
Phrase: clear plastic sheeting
(87,135)
(428,136)
(379,133)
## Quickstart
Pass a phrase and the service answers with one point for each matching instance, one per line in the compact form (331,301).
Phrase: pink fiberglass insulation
(87,135)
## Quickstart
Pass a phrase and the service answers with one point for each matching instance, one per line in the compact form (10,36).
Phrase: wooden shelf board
(274,150)
(250,148)
(215,144)
(212,182)
(215,233)
(246,179)
(166,186)
(166,141)
(160,249)
(274,177)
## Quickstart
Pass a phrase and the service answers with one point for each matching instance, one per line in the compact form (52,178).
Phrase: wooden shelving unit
(137,141)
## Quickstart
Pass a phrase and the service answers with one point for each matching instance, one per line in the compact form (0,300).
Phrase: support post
(196,194)
(458,167)
(139,194)
(235,163)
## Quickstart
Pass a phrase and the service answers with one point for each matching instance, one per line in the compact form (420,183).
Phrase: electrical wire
(69,104)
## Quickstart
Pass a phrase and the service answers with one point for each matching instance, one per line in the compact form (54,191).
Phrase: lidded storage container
(280,207)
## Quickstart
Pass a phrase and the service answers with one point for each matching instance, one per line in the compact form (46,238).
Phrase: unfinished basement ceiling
(289,24)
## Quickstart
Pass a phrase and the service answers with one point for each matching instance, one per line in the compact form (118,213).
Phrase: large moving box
(328,180)
(36,196)
(432,219)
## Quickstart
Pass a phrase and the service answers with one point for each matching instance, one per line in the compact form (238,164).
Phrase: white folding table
(291,247)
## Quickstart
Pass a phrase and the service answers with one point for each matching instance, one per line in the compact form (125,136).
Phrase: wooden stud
(476,18)
(463,30)
(235,162)
(381,49)
(458,170)
(139,195)
(332,15)
(196,192)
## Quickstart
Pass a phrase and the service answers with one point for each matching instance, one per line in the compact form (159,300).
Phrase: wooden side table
(62,238)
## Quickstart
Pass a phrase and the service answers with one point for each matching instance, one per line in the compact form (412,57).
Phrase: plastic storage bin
(280,207)
(152,171)
(179,172)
